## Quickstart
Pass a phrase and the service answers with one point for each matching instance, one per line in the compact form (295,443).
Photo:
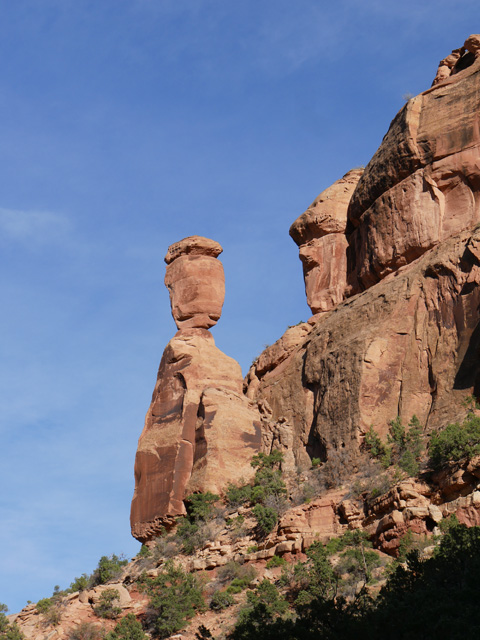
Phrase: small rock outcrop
(200,430)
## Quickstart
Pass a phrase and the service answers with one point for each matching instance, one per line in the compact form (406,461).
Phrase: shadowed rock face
(320,234)
(409,345)
(200,430)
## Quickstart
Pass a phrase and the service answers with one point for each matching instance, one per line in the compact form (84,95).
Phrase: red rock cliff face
(422,185)
(200,431)
(410,342)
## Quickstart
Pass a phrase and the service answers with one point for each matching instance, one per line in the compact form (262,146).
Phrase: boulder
(196,282)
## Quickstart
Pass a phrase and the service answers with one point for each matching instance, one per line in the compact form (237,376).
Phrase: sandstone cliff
(403,231)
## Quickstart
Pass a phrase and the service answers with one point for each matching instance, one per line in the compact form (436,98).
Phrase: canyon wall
(390,264)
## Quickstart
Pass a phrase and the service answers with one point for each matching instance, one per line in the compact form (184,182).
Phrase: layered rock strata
(407,346)
(200,430)
(409,343)
(423,183)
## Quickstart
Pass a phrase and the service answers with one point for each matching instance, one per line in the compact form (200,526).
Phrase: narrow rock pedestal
(200,430)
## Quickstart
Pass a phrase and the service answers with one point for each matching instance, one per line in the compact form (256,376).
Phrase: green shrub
(404,446)
(253,548)
(269,461)
(316,462)
(235,495)
(106,607)
(44,605)
(240,576)
(221,600)
(108,568)
(276,561)
(264,605)
(373,444)
(50,608)
(189,536)
(86,631)
(129,628)
(455,442)
(8,630)
(244,573)
(358,563)
(200,505)
(81,583)
(145,552)
(314,578)
(175,596)
(267,482)
(266,518)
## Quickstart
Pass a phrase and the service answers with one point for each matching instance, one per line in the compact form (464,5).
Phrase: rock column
(200,431)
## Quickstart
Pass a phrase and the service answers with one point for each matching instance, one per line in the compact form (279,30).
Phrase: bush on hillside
(455,442)
(404,445)
(129,628)
(175,596)
(8,630)
(108,568)
(86,631)
(107,606)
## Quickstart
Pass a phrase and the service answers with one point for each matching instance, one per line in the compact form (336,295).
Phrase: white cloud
(38,227)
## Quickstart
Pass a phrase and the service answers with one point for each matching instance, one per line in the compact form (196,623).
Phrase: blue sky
(127,125)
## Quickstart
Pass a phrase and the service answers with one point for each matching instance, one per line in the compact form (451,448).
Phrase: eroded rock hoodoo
(200,430)
(320,234)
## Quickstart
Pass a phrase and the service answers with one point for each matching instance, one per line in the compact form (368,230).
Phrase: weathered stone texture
(423,184)
(407,346)
(196,282)
(320,234)
(200,430)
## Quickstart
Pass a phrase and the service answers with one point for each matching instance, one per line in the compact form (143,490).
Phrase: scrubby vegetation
(107,606)
(432,598)
(344,589)
(403,448)
(87,631)
(129,628)
(109,568)
(175,596)
(51,608)
(8,630)
(456,441)
(267,494)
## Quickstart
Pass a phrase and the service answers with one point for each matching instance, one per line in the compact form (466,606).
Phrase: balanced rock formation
(200,430)
(407,340)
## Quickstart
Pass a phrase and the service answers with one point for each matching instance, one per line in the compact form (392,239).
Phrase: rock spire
(200,430)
